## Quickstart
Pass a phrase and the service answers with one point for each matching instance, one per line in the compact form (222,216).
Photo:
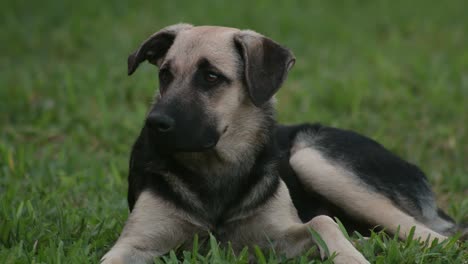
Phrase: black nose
(160,122)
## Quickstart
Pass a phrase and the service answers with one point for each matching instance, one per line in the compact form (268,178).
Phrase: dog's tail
(463,229)
(442,223)
(445,225)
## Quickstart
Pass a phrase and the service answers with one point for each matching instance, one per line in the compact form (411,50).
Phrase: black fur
(266,65)
(308,203)
(147,167)
(379,169)
(263,66)
(373,164)
(187,114)
(157,44)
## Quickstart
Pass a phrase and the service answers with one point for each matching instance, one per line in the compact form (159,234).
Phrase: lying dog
(211,158)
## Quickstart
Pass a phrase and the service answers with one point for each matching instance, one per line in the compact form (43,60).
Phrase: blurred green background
(396,71)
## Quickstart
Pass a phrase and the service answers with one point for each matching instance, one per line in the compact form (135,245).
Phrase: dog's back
(211,158)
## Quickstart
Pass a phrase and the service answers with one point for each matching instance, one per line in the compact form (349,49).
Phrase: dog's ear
(266,64)
(155,47)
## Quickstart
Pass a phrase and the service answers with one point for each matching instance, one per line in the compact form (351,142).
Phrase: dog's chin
(190,147)
(209,145)
(187,145)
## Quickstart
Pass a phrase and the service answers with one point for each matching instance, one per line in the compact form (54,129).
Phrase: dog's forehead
(216,44)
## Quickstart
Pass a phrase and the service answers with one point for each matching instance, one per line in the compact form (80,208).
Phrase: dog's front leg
(153,228)
(298,236)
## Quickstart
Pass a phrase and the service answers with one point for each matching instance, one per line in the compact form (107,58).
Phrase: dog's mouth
(190,149)
(209,146)
(186,142)
(212,144)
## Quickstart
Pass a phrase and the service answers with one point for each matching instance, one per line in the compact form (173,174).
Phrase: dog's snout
(160,122)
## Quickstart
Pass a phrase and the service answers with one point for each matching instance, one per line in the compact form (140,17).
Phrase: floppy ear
(266,64)
(154,48)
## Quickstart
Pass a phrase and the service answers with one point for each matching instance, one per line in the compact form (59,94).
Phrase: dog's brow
(204,63)
(166,65)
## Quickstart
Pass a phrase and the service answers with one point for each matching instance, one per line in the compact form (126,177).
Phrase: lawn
(396,71)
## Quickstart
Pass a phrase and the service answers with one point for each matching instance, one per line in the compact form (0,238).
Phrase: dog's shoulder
(145,163)
(140,154)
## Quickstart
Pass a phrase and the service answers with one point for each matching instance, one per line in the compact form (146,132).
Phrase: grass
(394,70)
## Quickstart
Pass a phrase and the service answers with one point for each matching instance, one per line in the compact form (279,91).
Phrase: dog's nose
(160,122)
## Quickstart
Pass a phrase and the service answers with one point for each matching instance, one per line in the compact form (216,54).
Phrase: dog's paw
(113,260)
(349,255)
(353,258)
(120,256)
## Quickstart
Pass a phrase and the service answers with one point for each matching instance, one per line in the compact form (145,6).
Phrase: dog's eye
(212,77)
(165,76)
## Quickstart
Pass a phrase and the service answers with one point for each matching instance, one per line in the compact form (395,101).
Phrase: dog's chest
(209,198)
(217,198)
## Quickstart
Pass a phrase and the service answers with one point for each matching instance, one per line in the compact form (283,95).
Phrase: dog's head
(209,79)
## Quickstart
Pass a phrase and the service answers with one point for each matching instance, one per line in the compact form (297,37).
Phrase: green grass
(394,70)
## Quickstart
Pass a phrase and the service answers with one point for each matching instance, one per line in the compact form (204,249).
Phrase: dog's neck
(233,179)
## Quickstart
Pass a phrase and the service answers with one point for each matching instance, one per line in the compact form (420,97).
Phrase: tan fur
(177,28)
(232,106)
(277,225)
(328,179)
(155,226)
(335,241)
(214,43)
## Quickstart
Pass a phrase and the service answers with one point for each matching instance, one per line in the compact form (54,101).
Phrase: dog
(211,158)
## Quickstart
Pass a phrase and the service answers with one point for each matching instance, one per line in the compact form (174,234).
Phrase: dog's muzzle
(160,122)
(172,129)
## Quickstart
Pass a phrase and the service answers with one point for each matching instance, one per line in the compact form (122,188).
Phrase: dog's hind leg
(276,224)
(152,229)
(330,233)
(340,186)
